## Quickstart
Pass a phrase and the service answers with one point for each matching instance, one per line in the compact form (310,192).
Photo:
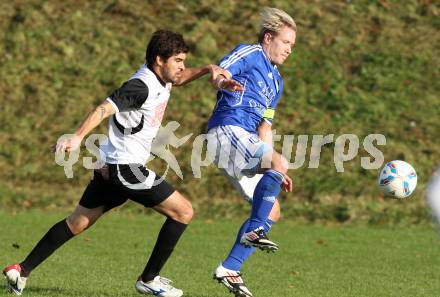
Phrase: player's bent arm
(265,132)
(94,118)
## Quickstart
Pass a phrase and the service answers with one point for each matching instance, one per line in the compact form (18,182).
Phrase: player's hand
(67,144)
(230,85)
(221,79)
(287,184)
(216,71)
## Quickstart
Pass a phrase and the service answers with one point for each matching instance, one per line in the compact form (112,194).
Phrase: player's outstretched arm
(193,73)
(94,118)
(220,78)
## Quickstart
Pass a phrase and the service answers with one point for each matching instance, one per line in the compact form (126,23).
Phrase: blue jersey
(249,65)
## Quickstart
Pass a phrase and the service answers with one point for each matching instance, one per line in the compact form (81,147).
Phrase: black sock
(166,241)
(54,238)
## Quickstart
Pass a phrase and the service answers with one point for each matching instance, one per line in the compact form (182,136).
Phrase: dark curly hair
(164,44)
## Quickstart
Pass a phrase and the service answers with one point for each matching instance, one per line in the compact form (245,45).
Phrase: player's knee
(186,214)
(77,225)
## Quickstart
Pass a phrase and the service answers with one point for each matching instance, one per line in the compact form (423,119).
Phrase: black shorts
(125,181)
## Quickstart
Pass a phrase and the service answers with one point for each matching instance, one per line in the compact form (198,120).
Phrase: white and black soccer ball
(397,179)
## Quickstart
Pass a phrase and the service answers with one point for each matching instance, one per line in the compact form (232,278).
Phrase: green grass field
(313,260)
(358,67)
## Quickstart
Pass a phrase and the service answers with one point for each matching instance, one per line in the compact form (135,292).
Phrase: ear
(267,37)
(160,61)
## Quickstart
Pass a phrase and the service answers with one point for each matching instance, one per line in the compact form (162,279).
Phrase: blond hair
(273,20)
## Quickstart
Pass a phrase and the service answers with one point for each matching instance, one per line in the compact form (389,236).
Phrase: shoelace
(236,276)
(166,282)
(261,233)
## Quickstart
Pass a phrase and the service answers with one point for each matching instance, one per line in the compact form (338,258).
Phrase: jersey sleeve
(130,96)
(240,59)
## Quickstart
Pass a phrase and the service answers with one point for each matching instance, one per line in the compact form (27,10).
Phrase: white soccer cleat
(258,238)
(232,280)
(159,286)
(14,282)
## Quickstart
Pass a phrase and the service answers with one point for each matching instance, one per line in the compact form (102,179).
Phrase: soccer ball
(397,179)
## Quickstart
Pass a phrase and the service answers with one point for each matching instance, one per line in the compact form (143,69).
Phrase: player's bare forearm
(216,72)
(265,132)
(193,73)
(94,118)
(190,74)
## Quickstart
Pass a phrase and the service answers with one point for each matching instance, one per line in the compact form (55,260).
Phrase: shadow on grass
(47,291)
(54,291)
(197,295)
(90,292)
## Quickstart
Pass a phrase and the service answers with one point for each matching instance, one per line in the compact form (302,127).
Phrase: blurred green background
(358,67)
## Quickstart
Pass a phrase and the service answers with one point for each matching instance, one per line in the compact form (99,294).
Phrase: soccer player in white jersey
(135,110)
(240,141)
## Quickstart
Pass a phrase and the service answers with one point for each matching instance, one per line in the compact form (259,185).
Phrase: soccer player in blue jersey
(240,138)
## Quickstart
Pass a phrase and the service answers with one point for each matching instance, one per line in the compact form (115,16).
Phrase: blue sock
(265,195)
(239,253)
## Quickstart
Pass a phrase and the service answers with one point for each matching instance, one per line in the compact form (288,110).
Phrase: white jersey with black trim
(140,104)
